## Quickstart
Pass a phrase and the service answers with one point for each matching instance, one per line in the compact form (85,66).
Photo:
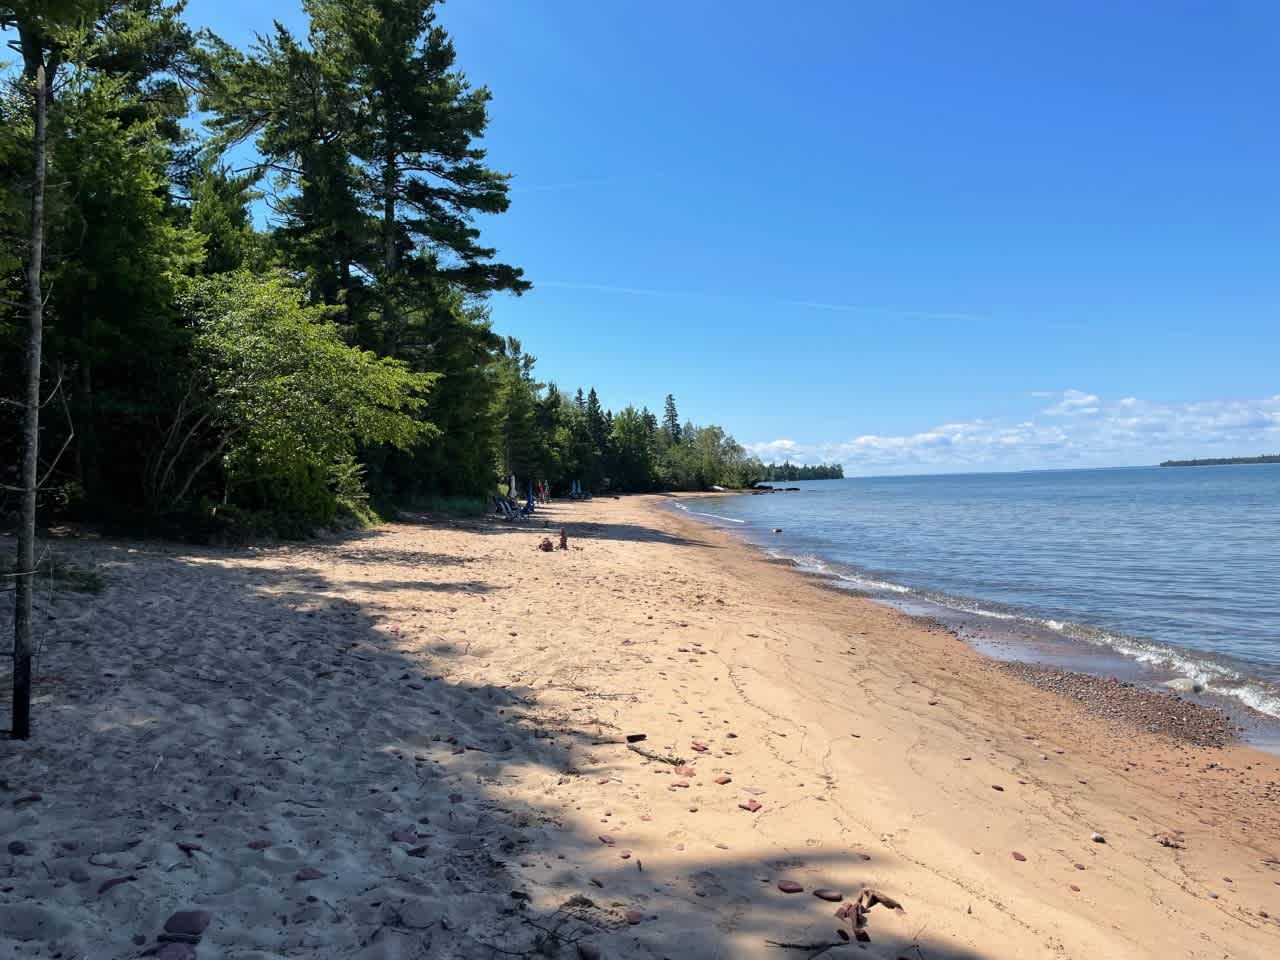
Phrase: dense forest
(1222,461)
(264,293)
(792,471)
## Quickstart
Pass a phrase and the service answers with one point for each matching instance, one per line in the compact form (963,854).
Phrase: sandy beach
(434,739)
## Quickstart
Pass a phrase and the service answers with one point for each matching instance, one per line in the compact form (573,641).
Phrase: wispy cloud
(774,449)
(740,297)
(1079,429)
(1073,402)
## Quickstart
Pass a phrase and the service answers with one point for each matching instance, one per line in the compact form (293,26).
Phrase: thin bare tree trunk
(26,560)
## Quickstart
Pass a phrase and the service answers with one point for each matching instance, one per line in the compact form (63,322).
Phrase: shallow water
(1156,573)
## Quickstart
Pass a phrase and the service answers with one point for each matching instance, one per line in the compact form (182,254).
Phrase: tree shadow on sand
(561,515)
(247,740)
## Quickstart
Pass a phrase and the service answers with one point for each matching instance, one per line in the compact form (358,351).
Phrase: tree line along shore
(276,343)
(1222,461)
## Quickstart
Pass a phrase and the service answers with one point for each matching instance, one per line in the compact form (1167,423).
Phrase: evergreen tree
(220,216)
(414,123)
(671,420)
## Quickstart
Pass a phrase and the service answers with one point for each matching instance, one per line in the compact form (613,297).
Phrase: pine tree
(671,420)
(415,122)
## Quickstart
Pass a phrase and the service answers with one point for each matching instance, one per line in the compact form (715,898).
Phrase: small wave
(966,606)
(699,513)
(869,584)
(716,516)
(811,564)
(1214,677)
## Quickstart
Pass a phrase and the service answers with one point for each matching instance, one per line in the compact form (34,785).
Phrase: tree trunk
(390,186)
(26,560)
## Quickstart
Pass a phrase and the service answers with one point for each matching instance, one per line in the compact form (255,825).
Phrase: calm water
(1173,570)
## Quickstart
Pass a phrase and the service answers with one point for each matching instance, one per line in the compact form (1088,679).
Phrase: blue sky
(910,236)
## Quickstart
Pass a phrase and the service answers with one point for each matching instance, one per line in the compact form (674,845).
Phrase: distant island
(790,471)
(1222,461)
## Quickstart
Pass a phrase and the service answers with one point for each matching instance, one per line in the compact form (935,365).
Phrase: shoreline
(421,734)
(1015,637)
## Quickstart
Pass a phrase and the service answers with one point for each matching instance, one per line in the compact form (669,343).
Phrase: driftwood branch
(650,755)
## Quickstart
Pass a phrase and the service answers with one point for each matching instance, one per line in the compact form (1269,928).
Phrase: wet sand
(413,742)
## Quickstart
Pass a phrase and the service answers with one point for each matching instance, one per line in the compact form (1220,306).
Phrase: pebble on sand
(790,886)
(824,893)
(751,806)
(114,882)
(188,923)
(1098,838)
(308,873)
(723,779)
(1019,857)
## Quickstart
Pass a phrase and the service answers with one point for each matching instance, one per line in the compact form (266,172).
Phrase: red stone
(634,917)
(723,779)
(751,806)
(607,840)
(699,747)
(823,893)
(308,873)
(790,886)
(1019,857)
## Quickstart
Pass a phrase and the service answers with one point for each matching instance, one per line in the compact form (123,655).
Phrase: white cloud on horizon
(1079,430)
(773,449)
(1072,402)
